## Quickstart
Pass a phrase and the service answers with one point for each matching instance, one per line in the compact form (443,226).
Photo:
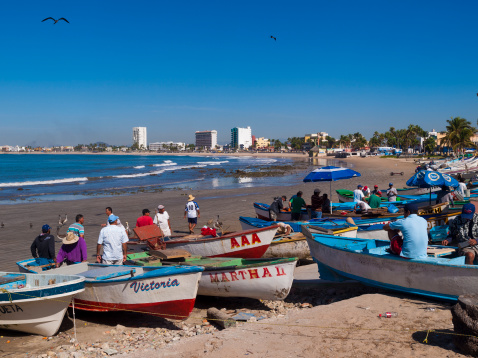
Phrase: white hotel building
(140,137)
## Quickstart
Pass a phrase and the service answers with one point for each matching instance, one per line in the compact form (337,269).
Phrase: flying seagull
(61,18)
(272,37)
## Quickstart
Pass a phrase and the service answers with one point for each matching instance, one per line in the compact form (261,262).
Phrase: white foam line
(42,182)
(165,164)
(139,167)
(125,176)
(214,163)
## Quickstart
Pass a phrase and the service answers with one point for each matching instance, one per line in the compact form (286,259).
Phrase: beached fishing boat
(245,244)
(262,212)
(294,244)
(445,277)
(36,303)
(265,279)
(169,292)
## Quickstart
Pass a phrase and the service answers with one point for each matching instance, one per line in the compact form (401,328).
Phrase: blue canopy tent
(331,174)
(429,179)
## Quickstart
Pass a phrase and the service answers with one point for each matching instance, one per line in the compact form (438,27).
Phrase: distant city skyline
(176,68)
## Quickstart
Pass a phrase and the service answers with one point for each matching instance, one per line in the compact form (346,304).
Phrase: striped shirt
(77,229)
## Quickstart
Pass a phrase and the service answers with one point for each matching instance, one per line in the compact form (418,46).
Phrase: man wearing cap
(162,220)
(316,201)
(113,239)
(376,191)
(192,212)
(366,191)
(391,192)
(276,206)
(414,231)
(144,220)
(43,247)
(464,231)
(358,194)
(72,251)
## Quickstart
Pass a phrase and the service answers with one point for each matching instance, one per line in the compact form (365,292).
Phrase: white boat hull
(268,282)
(246,244)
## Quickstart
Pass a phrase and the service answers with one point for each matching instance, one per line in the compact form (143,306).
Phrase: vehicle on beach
(445,277)
(168,292)
(36,303)
(263,279)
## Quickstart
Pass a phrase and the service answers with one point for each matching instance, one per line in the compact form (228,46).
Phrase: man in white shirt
(162,220)
(113,239)
(361,207)
(391,193)
(462,187)
(358,194)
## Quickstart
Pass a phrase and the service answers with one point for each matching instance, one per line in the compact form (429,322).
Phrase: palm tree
(458,134)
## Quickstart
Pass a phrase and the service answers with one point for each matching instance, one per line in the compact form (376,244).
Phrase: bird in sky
(272,37)
(61,18)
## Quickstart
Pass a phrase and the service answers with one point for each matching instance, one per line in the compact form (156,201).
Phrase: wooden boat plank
(107,273)
(440,251)
(170,253)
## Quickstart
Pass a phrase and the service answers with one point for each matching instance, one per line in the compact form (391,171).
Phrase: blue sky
(177,67)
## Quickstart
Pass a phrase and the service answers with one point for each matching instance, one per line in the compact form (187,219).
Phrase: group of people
(366,199)
(111,245)
(319,204)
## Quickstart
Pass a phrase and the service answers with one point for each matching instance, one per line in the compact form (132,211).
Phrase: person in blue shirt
(414,231)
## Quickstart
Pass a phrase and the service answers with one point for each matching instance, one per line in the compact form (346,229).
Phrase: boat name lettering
(245,241)
(149,286)
(249,274)
(4,309)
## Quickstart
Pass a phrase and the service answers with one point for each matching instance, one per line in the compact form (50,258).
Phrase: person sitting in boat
(414,242)
(72,251)
(326,207)
(276,206)
(374,200)
(316,201)
(113,239)
(445,196)
(284,229)
(43,247)
(358,193)
(464,231)
(361,207)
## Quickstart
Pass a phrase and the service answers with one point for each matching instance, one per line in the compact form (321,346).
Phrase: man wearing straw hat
(192,211)
(113,239)
(72,251)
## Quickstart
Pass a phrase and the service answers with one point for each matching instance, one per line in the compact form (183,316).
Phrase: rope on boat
(4,290)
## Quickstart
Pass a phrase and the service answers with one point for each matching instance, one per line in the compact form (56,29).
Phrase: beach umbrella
(429,179)
(331,174)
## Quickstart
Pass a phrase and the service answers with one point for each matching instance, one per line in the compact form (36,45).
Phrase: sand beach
(338,321)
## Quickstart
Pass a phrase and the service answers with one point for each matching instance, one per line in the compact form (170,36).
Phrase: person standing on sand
(297,204)
(144,220)
(192,211)
(358,194)
(162,220)
(316,201)
(72,251)
(43,247)
(109,211)
(391,192)
(77,228)
(113,239)
(276,206)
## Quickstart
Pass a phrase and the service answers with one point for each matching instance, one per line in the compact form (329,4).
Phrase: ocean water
(47,177)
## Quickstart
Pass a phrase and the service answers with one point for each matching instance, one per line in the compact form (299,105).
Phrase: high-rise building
(206,139)
(241,138)
(140,137)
